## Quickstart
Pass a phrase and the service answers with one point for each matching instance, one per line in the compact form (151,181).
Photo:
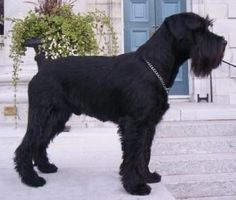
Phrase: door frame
(190,76)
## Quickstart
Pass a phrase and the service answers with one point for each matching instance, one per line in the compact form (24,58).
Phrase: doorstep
(191,111)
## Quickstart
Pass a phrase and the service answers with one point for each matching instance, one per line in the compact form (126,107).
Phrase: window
(1,17)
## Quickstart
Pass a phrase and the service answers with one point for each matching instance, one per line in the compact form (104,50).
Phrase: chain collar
(157,75)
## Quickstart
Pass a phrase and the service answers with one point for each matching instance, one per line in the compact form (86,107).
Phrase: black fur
(121,89)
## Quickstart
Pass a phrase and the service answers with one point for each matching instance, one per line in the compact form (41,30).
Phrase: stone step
(212,198)
(190,111)
(194,145)
(7,93)
(24,76)
(196,128)
(199,186)
(6,86)
(194,164)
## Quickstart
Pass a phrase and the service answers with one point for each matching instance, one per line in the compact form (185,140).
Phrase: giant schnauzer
(130,90)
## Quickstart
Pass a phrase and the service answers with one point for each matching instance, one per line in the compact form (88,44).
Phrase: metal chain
(157,75)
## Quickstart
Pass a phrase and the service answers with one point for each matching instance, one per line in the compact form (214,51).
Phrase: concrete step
(189,111)
(196,128)
(7,93)
(212,198)
(201,186)
(194,164)
(194,145)
(6,86)
(25,75)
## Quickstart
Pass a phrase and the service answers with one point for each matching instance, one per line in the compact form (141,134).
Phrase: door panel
(138,36)
(170,8)
(138,20)
(139,10)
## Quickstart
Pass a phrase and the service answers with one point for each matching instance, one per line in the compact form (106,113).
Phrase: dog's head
(193,39)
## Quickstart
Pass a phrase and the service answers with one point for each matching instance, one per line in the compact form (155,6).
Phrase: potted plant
(54,31)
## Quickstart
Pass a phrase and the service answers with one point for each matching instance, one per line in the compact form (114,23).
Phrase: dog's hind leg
(133,165)
(55,125)
(46,119)
(24,154)
(149,135)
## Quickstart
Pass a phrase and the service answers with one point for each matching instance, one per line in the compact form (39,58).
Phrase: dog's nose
(224,42)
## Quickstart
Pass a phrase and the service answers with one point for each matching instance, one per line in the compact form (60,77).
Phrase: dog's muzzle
(225,42)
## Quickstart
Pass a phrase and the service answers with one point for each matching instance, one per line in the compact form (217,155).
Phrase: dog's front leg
(149,135)
(133,166)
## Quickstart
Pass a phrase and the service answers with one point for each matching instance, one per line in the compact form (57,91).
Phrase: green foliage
(62,35)
(65,33)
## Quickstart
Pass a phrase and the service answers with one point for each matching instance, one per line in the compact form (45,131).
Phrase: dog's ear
(175,24)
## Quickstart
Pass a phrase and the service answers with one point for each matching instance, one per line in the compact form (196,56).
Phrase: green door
(141,18)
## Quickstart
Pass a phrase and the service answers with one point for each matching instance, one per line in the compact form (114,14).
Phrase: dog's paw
(47,168)
(153,178)
(34,182)
(140,189)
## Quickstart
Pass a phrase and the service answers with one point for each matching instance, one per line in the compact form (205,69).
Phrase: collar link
(157,75)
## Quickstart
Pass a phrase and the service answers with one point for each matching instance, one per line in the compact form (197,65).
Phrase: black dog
(129,90)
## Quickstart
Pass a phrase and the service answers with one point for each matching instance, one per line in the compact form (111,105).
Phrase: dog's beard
(207,55)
